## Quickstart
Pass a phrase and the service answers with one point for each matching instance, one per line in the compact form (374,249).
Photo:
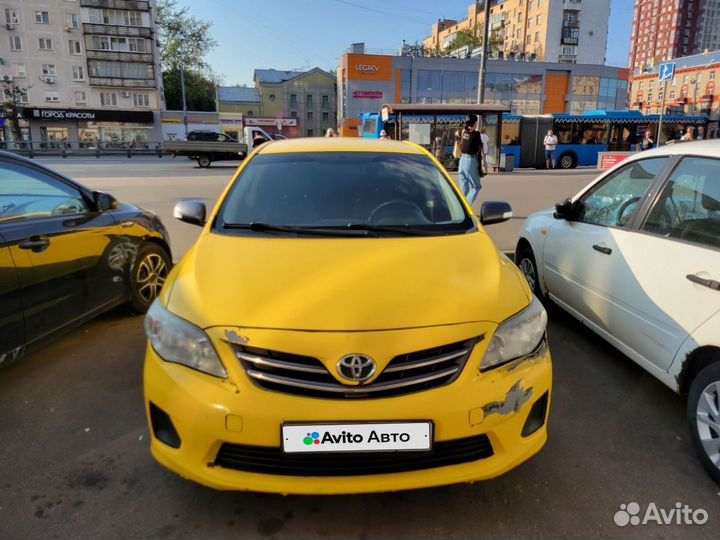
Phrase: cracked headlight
(178,341)
(516,337)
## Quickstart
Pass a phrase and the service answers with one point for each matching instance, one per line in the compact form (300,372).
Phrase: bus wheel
(567,161)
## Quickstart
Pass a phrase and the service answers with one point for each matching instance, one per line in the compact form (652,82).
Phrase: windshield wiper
(266,227)
(398,229)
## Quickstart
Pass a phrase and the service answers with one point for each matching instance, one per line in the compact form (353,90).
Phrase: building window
(539,20)
(272,97)
(15,43)
(309,100)
(293,100)
(250,113)
(19,70)
(672,95)
(72,20)
(108,99)
(45,44)
(78,73)
(309,132)
(141,100)
(293,114)
(11,16)
(325,102)
(711,77)
(52,96)
(74,47)
(48,69)
(115,17)
(310,116)
(685,79)
(325,117)
(80,97)
(42,17)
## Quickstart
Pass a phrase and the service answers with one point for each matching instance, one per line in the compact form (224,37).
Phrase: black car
(68,253)
(206,135)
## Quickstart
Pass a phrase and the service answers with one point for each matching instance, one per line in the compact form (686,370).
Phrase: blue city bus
(580,136)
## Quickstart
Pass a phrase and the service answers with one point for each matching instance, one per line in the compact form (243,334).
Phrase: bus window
(370,127)
(511,134)
(563,132)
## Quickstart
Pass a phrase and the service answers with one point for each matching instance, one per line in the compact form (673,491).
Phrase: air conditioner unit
(9,26)
(7,78)
(125,93)
(49,79)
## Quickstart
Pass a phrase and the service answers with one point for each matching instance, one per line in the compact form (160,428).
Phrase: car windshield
(339,192)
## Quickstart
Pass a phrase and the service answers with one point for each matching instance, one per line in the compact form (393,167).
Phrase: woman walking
(469,166)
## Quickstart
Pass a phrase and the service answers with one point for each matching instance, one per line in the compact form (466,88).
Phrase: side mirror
(104,201)
(564,209)
(191,211)
(495,212)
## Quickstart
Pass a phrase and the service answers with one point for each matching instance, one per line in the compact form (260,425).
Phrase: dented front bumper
(207,412)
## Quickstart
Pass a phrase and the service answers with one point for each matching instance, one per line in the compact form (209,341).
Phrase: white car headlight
(181,342)
(517,337)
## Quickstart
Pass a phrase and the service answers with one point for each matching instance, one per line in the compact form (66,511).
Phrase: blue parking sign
(667,71)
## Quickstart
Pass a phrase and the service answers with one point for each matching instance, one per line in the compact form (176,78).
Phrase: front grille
(307,376)
(265,460)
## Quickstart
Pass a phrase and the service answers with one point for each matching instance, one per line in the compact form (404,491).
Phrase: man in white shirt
(550,143)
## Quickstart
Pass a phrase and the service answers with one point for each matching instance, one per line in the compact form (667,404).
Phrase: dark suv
(204,135)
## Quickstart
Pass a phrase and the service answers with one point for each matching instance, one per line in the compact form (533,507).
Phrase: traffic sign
(667,71)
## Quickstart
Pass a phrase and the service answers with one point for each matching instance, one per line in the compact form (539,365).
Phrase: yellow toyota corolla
(343,325)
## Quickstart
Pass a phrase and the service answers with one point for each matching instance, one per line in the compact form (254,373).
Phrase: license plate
(388,437)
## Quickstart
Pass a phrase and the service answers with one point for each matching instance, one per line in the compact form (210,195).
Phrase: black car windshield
(343,193)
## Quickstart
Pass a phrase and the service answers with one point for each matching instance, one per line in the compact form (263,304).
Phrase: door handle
(709,283)
(602,249)
(35,243)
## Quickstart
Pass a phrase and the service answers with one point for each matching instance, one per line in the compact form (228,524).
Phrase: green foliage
(184,39)
(199,90)
(463,38)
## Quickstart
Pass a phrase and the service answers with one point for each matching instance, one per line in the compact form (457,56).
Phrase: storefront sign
(369,67)
(286,122)
(367,94)
(610,159)
(233,121)
(87,115)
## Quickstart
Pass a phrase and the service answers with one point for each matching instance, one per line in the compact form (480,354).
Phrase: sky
(302,34)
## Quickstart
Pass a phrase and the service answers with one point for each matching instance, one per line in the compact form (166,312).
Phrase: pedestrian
(648,142)
(469,166)
(689,135)
(485,148)
(437,149)
(550,143)
(330,133)
(384,135)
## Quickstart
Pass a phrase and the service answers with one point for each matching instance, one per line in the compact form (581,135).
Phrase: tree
(13,99)
(199,90)
(463,38)
(184,39)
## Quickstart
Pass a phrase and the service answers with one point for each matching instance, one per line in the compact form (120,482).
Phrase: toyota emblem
(356,367)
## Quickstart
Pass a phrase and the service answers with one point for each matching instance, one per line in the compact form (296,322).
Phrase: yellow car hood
(344,284)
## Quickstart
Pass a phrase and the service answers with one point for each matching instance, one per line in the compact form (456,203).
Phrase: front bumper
(207,412)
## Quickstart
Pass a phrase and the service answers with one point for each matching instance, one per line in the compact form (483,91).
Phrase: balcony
(110,30)
(572,5)
(131,5)
(567,59)
(118,82)
(570,36)
(120,56)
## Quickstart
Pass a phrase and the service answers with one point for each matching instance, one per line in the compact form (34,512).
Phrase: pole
(483,59)
(662,111)
(184,103)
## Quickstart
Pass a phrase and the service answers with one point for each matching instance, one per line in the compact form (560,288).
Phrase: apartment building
(81,72)
(668,29)
(563,31)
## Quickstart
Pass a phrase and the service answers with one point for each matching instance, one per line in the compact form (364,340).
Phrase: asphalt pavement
(75,460)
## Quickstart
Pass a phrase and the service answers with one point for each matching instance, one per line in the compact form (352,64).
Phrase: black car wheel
(703,414)
(149,272)
(204,160)
(528,266)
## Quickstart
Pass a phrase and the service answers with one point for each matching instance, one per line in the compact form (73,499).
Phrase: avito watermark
(680,514)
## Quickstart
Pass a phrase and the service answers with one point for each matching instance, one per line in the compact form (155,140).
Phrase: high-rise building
(80,72)
(668,29)
(565,31)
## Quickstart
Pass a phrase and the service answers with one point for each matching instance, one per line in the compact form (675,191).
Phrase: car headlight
(517,337)
(178,341)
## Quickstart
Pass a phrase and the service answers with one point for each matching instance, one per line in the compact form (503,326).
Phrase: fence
(83,149)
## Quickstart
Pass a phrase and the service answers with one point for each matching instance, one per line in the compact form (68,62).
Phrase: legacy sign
(87,115)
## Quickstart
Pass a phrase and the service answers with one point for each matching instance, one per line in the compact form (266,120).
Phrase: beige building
(564,31)
(81,71)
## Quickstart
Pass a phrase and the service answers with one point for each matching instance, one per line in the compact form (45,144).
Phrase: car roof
(338,144)
(710,148)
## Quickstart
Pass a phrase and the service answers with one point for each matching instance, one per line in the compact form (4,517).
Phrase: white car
(636,257)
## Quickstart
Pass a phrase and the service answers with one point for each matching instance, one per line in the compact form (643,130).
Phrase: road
(75,463)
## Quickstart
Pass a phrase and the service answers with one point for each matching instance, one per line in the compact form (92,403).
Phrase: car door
(578,252)
(669,269)
(12,331)
(59,245)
